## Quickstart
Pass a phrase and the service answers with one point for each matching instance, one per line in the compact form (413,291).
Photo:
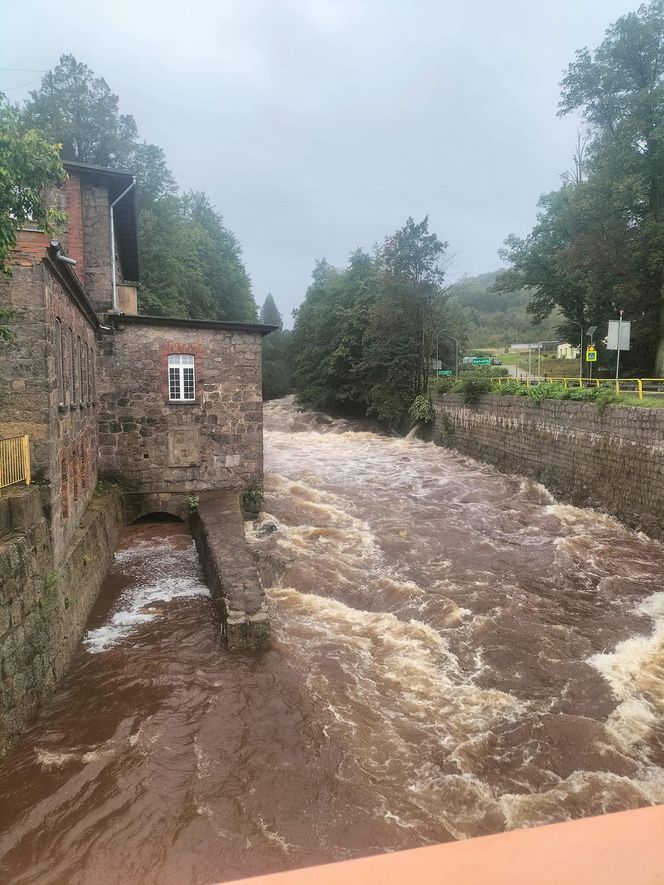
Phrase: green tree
(270,312)
(77,109)
(191,263)
(29,163)
(277,379)
(363,336)
(598,245)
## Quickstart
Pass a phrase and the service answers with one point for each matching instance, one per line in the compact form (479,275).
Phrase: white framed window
(181,377)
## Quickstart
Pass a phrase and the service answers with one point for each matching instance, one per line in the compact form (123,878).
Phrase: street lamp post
(574,323)
(456,351)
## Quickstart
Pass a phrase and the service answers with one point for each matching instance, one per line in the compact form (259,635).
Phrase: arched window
(181,377)
(81,373)
(59,362)
(72,363)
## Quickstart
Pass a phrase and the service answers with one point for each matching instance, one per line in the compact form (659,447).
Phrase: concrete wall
(43,607)
(230,570)
(151,445)
(612,461)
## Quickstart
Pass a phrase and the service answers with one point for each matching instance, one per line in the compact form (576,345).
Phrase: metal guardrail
(639,386)
(14,461)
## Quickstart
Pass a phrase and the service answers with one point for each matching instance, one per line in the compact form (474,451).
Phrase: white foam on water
(51,759)
(635,672)
(136,605)
(582,793)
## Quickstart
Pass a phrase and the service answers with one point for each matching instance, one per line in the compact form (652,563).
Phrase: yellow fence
(636,386)
(14,461)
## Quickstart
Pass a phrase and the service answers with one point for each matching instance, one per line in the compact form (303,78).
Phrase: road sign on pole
(591,354)
(481,361)
(445,372)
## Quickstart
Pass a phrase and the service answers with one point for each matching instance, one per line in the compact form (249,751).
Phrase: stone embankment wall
(612,461)
(43,608)
(230,570)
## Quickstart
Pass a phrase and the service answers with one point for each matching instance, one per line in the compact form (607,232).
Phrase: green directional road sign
(445,372)
(481,361)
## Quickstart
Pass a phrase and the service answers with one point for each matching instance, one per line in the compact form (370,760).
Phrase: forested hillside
(191,264)
(499,319)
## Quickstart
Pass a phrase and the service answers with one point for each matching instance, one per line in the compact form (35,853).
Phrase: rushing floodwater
(454,654)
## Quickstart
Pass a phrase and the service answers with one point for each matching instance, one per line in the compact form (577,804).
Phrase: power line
(29,83)
(25,70)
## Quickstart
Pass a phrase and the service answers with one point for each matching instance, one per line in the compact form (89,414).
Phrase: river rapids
(454,654)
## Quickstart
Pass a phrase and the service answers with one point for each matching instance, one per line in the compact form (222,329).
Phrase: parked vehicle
(496,362)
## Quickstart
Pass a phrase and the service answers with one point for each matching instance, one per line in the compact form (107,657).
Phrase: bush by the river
(472,387)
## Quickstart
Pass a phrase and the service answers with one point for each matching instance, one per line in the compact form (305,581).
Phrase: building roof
(125,213)
(142,320)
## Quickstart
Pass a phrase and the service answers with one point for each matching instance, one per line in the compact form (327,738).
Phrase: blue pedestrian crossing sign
(591,354)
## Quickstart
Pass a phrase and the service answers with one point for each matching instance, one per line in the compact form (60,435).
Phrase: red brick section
(30,246)
(74,238)
(166,348)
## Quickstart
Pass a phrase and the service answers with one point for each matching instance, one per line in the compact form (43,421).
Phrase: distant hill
(496,321)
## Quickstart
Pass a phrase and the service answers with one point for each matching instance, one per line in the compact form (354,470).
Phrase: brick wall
(63,436)
(152,445)
(613,462)
(73,239)
(71,468)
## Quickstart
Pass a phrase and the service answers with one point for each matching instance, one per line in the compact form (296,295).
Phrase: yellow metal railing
(638,386)
(14,461)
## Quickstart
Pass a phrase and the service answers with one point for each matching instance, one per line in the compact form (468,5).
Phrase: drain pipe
(113,205)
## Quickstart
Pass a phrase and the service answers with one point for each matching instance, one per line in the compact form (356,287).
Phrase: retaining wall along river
(613,461)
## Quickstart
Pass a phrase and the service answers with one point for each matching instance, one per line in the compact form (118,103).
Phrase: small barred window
(181,377)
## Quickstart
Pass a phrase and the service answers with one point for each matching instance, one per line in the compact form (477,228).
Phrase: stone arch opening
(137,506)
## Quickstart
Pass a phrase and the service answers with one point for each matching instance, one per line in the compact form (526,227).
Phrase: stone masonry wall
(151,445)
(63,435)
(612,461)
(97,244)
(44,609)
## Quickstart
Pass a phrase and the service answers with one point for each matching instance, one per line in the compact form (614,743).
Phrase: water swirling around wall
(454,654)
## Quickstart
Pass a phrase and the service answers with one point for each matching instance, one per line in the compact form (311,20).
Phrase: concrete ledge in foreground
(230,570)
(615,849)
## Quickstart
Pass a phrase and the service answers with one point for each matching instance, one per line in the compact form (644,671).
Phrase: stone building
(168,408)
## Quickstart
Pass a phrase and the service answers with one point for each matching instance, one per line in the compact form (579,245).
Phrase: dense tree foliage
(598,245)
(277,373)
(191,263)
(364,336)
(29,162)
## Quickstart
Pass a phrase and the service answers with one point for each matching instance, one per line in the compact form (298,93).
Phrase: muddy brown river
(455,653)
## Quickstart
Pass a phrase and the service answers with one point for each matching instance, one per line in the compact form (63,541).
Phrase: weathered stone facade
(88,386)
(612,461)
(44,607)
(150,444)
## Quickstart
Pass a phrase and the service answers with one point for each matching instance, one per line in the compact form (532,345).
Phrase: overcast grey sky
(317,126)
